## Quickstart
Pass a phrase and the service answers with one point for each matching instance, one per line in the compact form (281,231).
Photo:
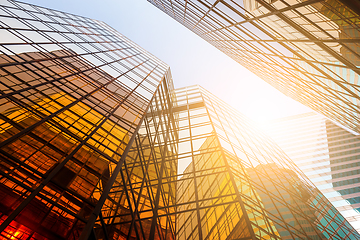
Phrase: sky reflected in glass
(191,59)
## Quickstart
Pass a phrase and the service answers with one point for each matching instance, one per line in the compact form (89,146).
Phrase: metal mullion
(151,83)
(42,195)
(142,185)
(253,18)
(300,57)
(35,29)
(150,190)
(140,76)
(183,179)
(169,198)
(24,97)
(45,143)
(324,63)
(246,217)
(36,191)
(321,45)
(184,211)
(117,190)
(194,173)
(217,198)
(150,143)
(43,120)
(7,176)
(223,214)
(226,137)
(312,63)
(114,201)
(72,135)
(117,205)
(273,198)
(174,135)
(205,207)
(204,200)
(19,163)
(136,202)
(157,123)
(47,43)
(89,226)
(186,153)
(74,69)
(61,78)
(55,123)
(278,185)
(262,209)
(26,62)
(159,189)
(195,16)
(209,9)
(31,13)
(25,166)
(128,199)
(152,156)
(42,32)
(344,40)
(92,124)
(169,122)
(39,12)
(65,19)
(276,217)
(12,216)
(185,139)
(133,106)
(103,226)
(58,43)
(322,30)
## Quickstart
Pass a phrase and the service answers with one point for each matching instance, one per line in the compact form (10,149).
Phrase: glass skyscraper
(78,103)
(327,154)
(309,50)
(239,184)
(94,141)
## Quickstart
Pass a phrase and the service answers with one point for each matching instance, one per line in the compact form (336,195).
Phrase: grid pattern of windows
(238,184)
(78,102)
(309,50)
(93,137)
(327,154)
(141,203)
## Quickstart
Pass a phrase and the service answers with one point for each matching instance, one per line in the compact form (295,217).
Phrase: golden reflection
(221,217)
(143,195)
(82,178)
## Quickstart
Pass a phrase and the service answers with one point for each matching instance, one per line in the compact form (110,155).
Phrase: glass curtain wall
(307,49)
(74,99)
(238,184)
(96,144)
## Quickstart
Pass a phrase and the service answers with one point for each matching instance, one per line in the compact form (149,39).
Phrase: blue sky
(191,59)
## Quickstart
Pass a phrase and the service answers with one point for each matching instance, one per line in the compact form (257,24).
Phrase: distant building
(327,154)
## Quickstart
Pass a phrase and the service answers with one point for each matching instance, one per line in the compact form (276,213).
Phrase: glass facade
(83,148)
(238,184)
(309,50)
(97,144)
(327,154)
